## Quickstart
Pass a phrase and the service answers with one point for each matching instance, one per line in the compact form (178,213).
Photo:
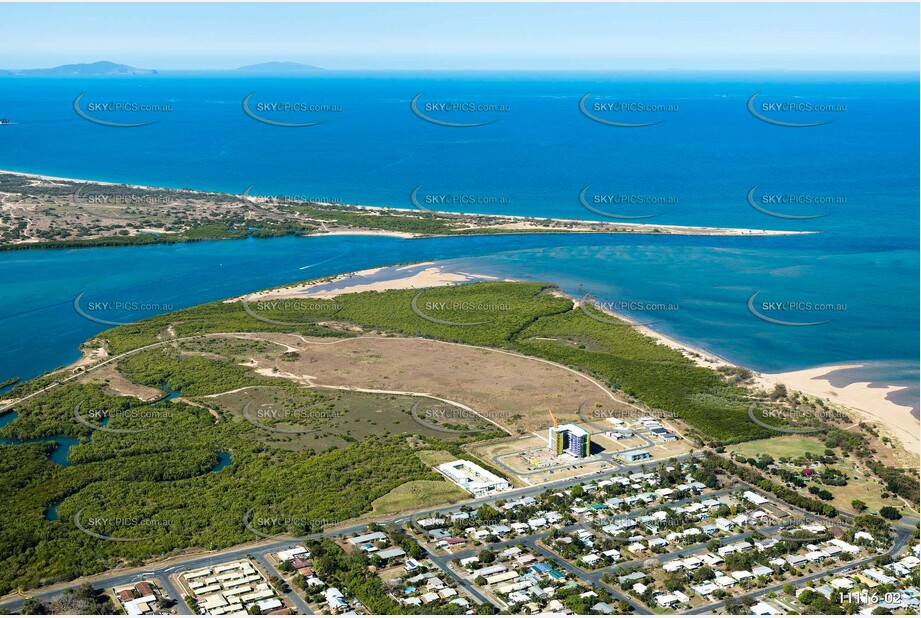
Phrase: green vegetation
(162,475)
(159,485)
(9,382)
(412,223)
(190,375)
(349,571)
(513,316)
(81,601)
(897,481)
(784,493)
(419,495)
(890,512)
(208,231)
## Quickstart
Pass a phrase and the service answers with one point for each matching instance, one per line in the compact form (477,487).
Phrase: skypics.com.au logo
(603,203)
(765,310)
(299,307)
(604,308)
(282,112)
(771,112)
(111,113)
(261,415)
(621,113)
(771,204)
(101,311)
(438,112)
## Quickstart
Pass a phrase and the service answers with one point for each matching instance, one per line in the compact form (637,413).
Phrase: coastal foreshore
(868,403)
(49,204)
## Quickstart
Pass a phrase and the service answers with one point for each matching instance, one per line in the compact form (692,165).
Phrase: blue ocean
(524,144)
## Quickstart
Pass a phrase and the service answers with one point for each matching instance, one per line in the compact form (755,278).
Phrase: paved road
(903,537)
(592,578)
(161,573)
(442,562)
(14,602)
(293,596)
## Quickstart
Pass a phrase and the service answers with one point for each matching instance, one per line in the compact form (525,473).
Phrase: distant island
(105,67)
(278,67)
(92,68)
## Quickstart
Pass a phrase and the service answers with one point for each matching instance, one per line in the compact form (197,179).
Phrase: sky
(650,36)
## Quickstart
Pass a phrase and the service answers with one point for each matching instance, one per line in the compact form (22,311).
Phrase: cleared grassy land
(870,491)
(417,495)
(789,447)
(435,458)
(518,317)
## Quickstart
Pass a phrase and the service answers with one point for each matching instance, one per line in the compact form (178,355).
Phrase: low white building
(472,477)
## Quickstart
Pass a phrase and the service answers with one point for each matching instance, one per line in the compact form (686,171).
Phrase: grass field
(417,495)
(435,458)
(319,419)
(869,490)
(782,446)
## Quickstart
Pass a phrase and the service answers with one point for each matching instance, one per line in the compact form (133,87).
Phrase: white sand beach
(405,277)
(870,402)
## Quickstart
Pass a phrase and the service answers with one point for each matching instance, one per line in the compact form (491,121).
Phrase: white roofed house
(693,562)
(673,566)
(289,554)
(764,609)
(712,559)
(667,600)
(724,581)
(754,498)
(537,522)
(816,556)
(743,546)
(393,552)
(842,583)
(368,538)
(843,545)
(636,547)
(725,550)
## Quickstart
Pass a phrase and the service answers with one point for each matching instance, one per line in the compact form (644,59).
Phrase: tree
(487,514)
(779,392)
(674,581)
(859,505)
(890,512)
(33,606)
(704,573)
